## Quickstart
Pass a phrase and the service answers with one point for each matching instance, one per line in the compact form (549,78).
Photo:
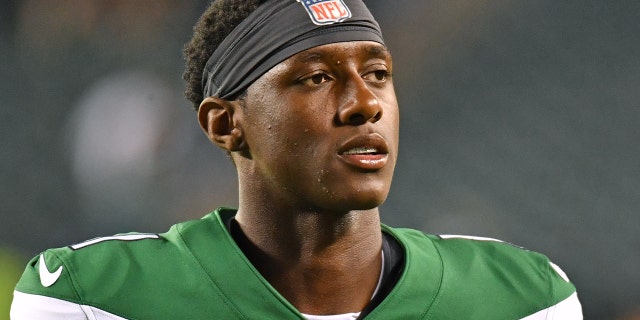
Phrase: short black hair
(220,18)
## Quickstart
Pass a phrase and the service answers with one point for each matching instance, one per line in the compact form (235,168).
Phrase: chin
(345,197)
(366,200)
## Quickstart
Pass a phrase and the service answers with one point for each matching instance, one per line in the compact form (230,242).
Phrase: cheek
(288,142)
(305,127)
(392,115)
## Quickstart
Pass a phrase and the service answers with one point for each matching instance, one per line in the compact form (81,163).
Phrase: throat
(319,280)
(326,290)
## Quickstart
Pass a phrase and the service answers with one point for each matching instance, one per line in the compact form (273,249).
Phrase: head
(309,116)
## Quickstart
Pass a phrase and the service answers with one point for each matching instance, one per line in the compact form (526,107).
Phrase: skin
(310,182)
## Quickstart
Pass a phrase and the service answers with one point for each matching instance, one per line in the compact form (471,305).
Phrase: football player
(300,95)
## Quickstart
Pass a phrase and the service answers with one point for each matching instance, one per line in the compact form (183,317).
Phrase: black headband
(277,30)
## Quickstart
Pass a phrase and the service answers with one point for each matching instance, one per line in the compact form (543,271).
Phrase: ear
(219,121)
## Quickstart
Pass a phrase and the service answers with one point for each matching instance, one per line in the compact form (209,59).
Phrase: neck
(321,262)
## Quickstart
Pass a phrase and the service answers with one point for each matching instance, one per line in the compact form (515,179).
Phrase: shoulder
(109,271)
(59,283)
(102,258)
(462,251)
(475,268)
(526,279)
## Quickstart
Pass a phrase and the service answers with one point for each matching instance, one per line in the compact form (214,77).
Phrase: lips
(367,152)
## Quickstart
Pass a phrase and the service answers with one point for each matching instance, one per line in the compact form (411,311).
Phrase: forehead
(361,49)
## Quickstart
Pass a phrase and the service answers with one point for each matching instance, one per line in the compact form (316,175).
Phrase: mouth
(366,152)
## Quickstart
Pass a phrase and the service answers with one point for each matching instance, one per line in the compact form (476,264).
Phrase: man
(300,95)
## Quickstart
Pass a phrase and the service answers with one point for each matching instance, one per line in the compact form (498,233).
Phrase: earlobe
(219,122)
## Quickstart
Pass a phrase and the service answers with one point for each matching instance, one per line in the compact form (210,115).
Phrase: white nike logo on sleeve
(48,278)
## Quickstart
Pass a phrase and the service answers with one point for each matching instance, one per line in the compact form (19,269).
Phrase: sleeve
(45,292)
(30,306)
(566,305)
(569,308)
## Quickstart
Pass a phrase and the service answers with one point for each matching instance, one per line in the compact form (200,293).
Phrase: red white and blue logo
(324,12)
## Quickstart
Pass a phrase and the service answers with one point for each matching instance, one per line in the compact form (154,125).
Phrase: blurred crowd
(520,121)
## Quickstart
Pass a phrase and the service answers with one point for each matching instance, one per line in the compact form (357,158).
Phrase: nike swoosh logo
(48,278)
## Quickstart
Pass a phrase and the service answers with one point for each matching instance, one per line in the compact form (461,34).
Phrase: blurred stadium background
(520,121)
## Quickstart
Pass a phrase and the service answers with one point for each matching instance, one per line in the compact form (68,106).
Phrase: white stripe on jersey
(457,236)
(30,306)
(567,309)
(122,237)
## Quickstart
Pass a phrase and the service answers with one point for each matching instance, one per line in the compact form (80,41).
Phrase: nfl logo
(326,11)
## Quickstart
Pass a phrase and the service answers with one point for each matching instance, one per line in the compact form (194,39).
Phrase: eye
(377,76)
(316,79)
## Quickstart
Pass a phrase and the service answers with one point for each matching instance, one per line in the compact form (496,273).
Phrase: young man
(300,95)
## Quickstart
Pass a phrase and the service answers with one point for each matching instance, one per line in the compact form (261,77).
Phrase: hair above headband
(277,30)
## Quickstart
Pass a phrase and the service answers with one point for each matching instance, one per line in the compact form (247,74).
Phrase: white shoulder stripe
(455,236)
(567,309)
(30,306)
(122,237)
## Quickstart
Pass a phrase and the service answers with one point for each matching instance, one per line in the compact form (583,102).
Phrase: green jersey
(196,271)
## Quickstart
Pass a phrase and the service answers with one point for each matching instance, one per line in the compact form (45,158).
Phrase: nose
(360,104)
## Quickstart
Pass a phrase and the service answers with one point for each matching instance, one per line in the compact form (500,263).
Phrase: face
(321,128)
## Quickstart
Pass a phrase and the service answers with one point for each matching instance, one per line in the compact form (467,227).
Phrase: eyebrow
(378,51)
(375,51)
(312,56)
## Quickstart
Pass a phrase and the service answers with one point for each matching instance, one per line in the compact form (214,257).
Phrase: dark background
(519,121)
